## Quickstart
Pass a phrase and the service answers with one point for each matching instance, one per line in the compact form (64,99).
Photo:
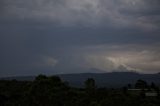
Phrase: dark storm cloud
(59,36)
(84,12)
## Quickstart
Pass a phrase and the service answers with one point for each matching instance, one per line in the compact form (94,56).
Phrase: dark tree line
(52,91)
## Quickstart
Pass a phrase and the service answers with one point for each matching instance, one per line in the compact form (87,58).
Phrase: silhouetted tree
(90,87)
(40,77)
(141,84)
(52,91)
(125,90)
(90,84)
(129,86)
(153,86)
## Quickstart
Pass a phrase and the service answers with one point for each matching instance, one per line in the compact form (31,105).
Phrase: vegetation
(52,91)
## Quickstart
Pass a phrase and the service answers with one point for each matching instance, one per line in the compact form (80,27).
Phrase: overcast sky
(78,36)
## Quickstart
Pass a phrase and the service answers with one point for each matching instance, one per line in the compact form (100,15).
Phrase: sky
(79,36)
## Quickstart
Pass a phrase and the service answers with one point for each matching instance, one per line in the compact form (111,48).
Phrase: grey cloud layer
(87,12)
(65,36)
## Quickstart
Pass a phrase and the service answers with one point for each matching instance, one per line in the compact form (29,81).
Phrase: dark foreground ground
(52,91)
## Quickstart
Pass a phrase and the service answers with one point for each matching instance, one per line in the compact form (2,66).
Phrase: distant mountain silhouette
(113,79)
(19,78)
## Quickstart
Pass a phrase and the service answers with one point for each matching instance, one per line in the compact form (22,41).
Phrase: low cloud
(142,59)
